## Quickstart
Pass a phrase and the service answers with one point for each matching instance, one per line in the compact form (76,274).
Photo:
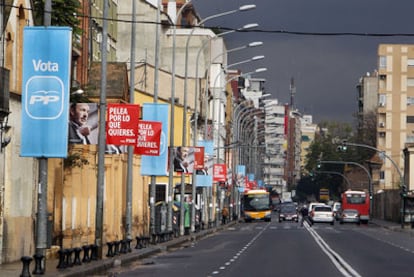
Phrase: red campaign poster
(249,185)
(198,158)
(149,138)
(219,173)
(122,124)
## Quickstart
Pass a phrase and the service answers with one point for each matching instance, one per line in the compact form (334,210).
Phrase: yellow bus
(256,205)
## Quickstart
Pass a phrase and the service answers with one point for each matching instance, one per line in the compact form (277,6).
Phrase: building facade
(275,140)
(395,112)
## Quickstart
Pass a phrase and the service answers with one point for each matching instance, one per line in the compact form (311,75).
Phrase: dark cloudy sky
(326,69)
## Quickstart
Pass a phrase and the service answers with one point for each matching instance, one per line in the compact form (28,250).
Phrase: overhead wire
(219,28)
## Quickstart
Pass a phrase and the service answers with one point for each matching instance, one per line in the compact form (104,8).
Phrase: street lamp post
(219,116)
(402,182)
(254,44)
(336,173)
(172,119)
(184,139)
(366,171)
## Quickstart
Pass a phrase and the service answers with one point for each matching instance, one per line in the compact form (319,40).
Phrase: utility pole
(101,137)
(128,196)
(156,77)
(292,93)
(41,216)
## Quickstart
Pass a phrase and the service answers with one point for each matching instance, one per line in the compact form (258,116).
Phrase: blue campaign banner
(204,180)
(45,91)
(208,146)
(250,177)
(156,165)
(240,177)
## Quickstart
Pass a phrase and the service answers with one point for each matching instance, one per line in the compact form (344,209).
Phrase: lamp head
(262,69)
(78,92)
(247,7)
(255,43)
(255,58)
(249,26)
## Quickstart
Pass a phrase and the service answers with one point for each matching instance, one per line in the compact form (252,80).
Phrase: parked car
(336,208)
(288,213)
(322,213)
(349,216)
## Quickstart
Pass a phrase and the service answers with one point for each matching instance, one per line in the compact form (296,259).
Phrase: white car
(322,213)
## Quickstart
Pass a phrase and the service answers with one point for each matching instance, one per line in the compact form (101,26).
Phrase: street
(285,249)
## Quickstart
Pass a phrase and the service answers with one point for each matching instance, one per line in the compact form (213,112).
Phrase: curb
(104,265)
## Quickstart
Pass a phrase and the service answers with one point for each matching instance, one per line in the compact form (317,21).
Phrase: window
(160,192)
(410,119)
(382,100)
(382,62)
(410,82)
(410,101)
(410,62)
(382,81)
(355,199)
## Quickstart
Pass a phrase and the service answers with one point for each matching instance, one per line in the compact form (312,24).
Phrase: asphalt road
(285,249)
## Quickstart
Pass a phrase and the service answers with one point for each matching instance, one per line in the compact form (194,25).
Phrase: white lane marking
(343,267)
(235,257)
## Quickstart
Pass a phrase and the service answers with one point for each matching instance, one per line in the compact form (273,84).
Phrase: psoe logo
(44,97)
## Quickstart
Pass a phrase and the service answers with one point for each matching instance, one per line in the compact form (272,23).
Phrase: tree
(324,147)
(367,134)
(64,13)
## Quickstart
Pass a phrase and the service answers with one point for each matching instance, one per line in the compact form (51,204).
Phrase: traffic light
(341,148)
(403,190)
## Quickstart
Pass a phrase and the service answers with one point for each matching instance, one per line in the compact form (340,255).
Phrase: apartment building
(308,129)
(367,93)
(274,160)
(395,112)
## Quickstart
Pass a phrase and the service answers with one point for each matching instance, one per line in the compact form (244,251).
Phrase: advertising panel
(45,91)
(219,173)
(149,138)
(240,177)
(188,159)
(156,165)
(122,124)
(83,123)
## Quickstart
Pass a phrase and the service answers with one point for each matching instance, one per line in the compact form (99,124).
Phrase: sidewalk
(394,226)
(95,267)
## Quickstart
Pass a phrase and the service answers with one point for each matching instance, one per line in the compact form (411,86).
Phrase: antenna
(292,93)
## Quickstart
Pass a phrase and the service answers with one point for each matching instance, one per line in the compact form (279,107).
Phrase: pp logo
(163,143)
(44,97)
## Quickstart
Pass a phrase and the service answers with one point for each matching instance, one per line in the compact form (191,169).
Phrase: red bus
(358,200)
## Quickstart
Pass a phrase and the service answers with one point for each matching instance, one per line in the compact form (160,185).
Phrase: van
(313,204)
(336,208)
